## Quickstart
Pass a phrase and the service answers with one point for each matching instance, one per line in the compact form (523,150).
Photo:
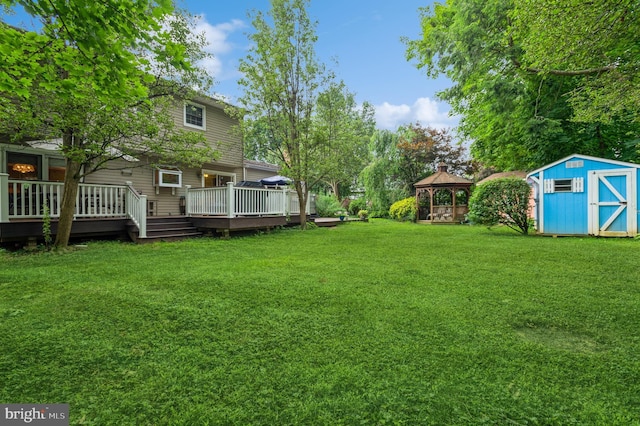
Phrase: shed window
(562,185)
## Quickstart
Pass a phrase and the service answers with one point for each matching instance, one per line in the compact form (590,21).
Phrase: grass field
(368,323)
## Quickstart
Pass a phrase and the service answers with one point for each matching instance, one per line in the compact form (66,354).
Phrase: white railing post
(4,197)
(137,209)
(287,202)
(187,200)
(231,203)
(142,218)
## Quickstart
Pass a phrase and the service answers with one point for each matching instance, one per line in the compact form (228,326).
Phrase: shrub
(327,205)
(404,209)
(501,201)
(357,205)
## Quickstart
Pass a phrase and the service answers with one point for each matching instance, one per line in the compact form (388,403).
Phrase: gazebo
(442,197)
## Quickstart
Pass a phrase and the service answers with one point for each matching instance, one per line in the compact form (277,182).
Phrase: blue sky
(363,36)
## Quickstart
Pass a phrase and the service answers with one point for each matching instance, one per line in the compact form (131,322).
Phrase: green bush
(501,201)
(327,205)
(404,209)
(356,205)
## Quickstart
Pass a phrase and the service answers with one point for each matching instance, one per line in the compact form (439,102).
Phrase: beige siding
(256,175)
(219,131)
(167,200)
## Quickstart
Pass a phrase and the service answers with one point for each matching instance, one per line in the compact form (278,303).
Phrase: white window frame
(204,115)
(168,171)
(217,173)
(551,185)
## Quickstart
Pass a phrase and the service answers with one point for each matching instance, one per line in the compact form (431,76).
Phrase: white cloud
(217,36)
(219,45)
(424,110)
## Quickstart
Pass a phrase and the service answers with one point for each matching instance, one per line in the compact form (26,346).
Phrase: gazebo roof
(443,178)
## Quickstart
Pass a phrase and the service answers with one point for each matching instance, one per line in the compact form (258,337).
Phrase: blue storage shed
(582,195)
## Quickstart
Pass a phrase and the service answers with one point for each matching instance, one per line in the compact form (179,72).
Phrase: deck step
(172,228)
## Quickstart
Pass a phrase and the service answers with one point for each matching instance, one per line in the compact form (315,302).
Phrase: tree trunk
(69,194)
(303,194)
(336,190)
(68,208)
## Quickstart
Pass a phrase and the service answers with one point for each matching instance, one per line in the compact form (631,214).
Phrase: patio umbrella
(276,180)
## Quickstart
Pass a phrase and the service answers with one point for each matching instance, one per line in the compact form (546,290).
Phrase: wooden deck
(29,231)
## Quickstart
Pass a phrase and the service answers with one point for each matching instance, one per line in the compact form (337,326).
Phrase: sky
(360,40)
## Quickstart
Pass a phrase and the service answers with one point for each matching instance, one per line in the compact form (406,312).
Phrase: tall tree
(345,130)
(102,76)
(422,149)
(379,176)
(515,117)
(597,41)
(282,80)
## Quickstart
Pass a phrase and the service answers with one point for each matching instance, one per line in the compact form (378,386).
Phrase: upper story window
(195,115)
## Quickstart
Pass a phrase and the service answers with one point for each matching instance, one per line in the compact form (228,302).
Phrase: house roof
(261,165)
(584,157)
(514,174)
(442,178)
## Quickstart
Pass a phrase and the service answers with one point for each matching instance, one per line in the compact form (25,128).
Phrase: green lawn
(367,323)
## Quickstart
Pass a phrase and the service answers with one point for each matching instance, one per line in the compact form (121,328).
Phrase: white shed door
(612,203)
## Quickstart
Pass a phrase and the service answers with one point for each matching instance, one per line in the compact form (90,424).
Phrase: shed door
(612,203)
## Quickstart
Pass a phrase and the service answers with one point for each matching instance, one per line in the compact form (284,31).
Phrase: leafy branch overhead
(534,81)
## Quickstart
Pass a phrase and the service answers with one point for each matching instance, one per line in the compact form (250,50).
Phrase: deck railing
(233,201)
(137,209)
(27,199)
(21,199)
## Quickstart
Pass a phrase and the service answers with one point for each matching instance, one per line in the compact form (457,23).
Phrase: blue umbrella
(276,180)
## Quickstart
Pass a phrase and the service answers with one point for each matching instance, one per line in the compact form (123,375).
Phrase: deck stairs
(167,228)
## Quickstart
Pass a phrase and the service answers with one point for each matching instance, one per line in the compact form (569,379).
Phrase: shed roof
(442,178)
(584,157)
(514,173)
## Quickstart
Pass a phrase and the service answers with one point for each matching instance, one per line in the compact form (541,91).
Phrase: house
(138,199)
(582,195)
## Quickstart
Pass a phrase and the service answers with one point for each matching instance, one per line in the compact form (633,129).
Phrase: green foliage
(501,201)
(344,127)
(420,151)
(442,325)
(404,209)
(517,118)
(46,225)
(356,205)
(281,81)
(327,205)
(379,177)
(595,42)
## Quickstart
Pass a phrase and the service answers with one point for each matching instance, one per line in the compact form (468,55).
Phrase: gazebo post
(453,213)
(430,204)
